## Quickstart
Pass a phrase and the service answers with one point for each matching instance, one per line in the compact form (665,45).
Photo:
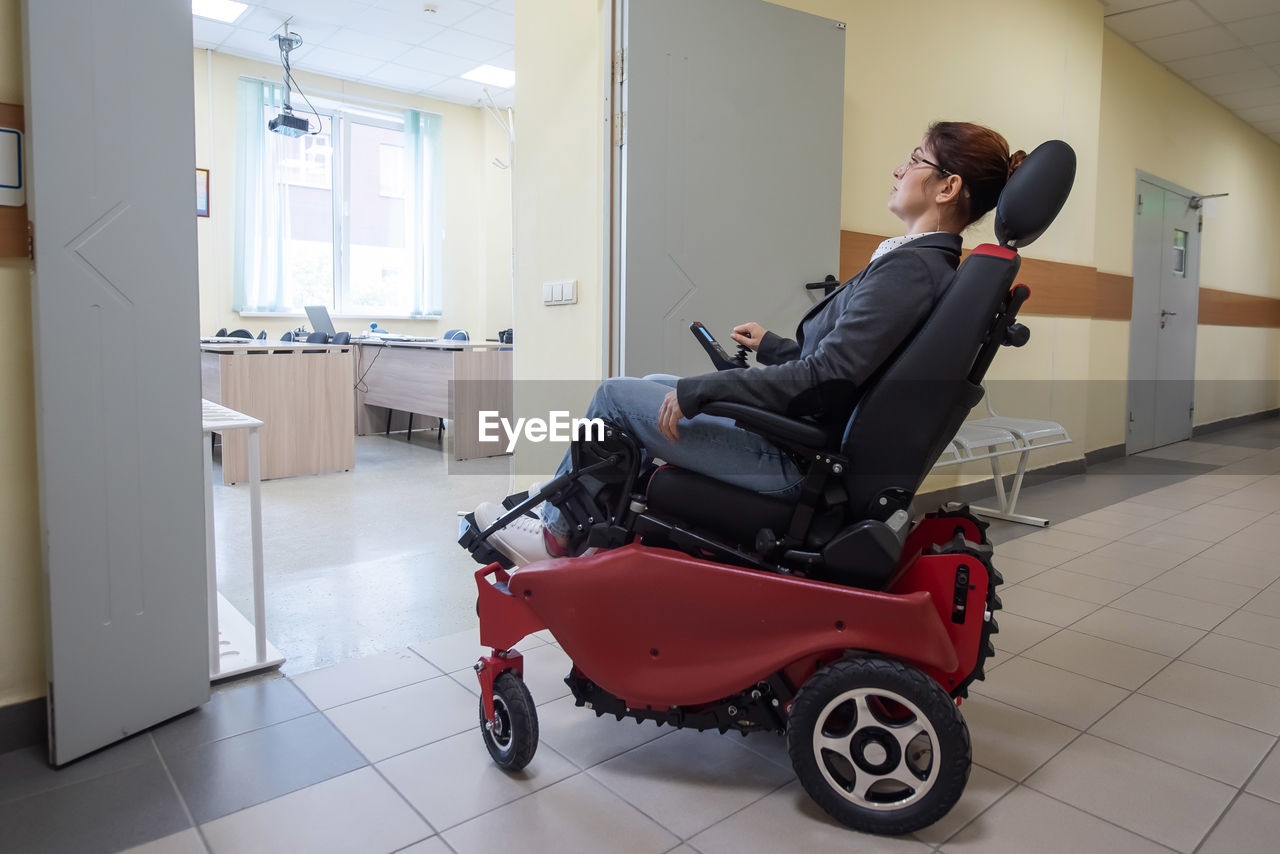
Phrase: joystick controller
(718,356)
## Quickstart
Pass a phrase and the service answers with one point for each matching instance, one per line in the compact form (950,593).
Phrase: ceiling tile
(1235,10)
(498,26)
(1155,21)
(1194,43)
(1272,126)
(413,29)
(464,44)
(1112,7)
(449,12)
(1251,98)
(1268,53)
(337,12)
(337,64)
(506,60)
(436,62)
(363,44)
(255,45)
(458,90)
(404,78)
(1226,62)
(208,33)
(262,20)
(508,6)
(1241,81)
(1257,30)
(1257,114)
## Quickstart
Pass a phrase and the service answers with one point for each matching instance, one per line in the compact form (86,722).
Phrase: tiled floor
(1134,705)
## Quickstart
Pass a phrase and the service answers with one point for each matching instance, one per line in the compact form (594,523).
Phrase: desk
(442,379)
(303,398)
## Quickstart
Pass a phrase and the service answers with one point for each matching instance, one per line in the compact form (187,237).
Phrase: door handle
(1164,314)
(829,284)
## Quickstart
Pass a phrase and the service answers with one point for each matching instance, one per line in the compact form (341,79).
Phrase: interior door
(1162,341)
(112,154)
(731,136)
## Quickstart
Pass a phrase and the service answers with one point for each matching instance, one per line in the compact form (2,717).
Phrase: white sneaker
(521,540)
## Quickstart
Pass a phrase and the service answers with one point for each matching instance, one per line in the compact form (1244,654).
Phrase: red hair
(981,158)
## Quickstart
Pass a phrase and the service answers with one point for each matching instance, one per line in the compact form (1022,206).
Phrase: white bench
(994,437)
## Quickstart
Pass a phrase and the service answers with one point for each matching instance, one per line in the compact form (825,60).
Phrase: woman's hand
(669,416)
(748,335)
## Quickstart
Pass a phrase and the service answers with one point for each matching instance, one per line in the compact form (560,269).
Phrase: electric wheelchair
(834,619)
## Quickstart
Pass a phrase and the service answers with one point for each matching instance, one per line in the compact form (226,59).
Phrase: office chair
(288,336)
(341,338)
(221,333)
(316,338)
(240,333)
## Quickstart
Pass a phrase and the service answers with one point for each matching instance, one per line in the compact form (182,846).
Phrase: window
(348,218)
(1179,253)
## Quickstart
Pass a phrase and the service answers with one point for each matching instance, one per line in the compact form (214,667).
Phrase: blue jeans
(709,445)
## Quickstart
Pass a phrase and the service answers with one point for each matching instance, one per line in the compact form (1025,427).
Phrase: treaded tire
(514,739)
(820,771)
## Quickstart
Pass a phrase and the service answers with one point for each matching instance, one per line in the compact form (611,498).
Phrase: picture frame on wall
(202,192)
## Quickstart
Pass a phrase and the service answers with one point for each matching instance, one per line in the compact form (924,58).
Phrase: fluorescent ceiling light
(219,10)
(492,75)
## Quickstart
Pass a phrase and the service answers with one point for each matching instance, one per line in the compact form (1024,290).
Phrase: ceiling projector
(289,124)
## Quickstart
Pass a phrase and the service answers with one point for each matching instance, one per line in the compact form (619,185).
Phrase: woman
(947,183)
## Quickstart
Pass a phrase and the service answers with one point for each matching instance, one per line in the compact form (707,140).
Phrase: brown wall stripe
(1073,290)
(13,221)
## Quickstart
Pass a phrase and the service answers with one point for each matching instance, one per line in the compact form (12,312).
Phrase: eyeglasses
(915,159)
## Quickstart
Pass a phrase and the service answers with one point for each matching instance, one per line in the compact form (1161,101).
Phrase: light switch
(548,293)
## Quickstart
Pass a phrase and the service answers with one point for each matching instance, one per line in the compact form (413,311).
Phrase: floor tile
(1026,821)
(577,814)
(1010,741)
(1251,826)
(1158,636)
(1051,692)
(1141,555)
(110,813)
(1133,509)
(185,842)
(462,649)
(228,775)
(1183,582)
(1170,805)
(1043,606)
(789,820)
(689,780)
(1069,540)
(1015,571)
(1173,608)
(770,745)
(1237,657)
(1221,695)
(1267,602)
(1207,522)
(364,677)
(234,710)
(1112,568)
(1033,553)
(473,784)
(434,845)
(1264,497)
(1215,748)
(1231,567)
(1097,658)
(1253,627)
(1266,782)
(1178,497)
(585,740)
(27,772)
(356,813)
(404,718)
(1154,538)
(1112,527)
(1261,536)
(544,670)
(1017,633)
(1087,588)
(983,789)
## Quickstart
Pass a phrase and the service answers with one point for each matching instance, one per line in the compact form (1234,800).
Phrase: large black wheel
(513,737)
(879,745)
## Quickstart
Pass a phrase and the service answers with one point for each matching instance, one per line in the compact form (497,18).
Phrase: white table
(230,635)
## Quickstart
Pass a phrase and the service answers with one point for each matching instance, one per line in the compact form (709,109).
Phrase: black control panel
(718,356)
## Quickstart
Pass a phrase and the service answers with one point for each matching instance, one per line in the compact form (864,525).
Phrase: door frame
(1179,190)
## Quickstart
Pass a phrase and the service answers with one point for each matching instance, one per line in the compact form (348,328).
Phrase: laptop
(319,317)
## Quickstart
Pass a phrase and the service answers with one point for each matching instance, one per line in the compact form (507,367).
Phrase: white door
(1162,338)
(112,152)
(729,190)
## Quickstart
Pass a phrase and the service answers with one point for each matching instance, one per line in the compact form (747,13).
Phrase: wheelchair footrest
(477,546)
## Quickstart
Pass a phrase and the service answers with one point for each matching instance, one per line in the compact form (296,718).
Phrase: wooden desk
(443,379)
(303,398)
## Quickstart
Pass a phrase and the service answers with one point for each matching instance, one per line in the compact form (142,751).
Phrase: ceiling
(389,43)
(1228,49)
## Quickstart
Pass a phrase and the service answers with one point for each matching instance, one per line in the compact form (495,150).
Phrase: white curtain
(259,280)
(425,219)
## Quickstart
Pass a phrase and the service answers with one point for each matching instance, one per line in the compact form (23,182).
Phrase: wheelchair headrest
(1034,195)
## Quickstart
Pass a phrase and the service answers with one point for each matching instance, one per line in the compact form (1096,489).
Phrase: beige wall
(22,674)
(476,198)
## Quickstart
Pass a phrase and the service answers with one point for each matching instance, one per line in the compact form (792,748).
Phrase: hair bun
(1015,160)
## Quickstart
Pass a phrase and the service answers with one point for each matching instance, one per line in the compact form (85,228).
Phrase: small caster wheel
(513,737)
(879,745)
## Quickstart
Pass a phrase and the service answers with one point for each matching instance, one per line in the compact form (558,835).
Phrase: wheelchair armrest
(771,425)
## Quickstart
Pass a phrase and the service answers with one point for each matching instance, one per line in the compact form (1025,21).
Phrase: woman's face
(915,184)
